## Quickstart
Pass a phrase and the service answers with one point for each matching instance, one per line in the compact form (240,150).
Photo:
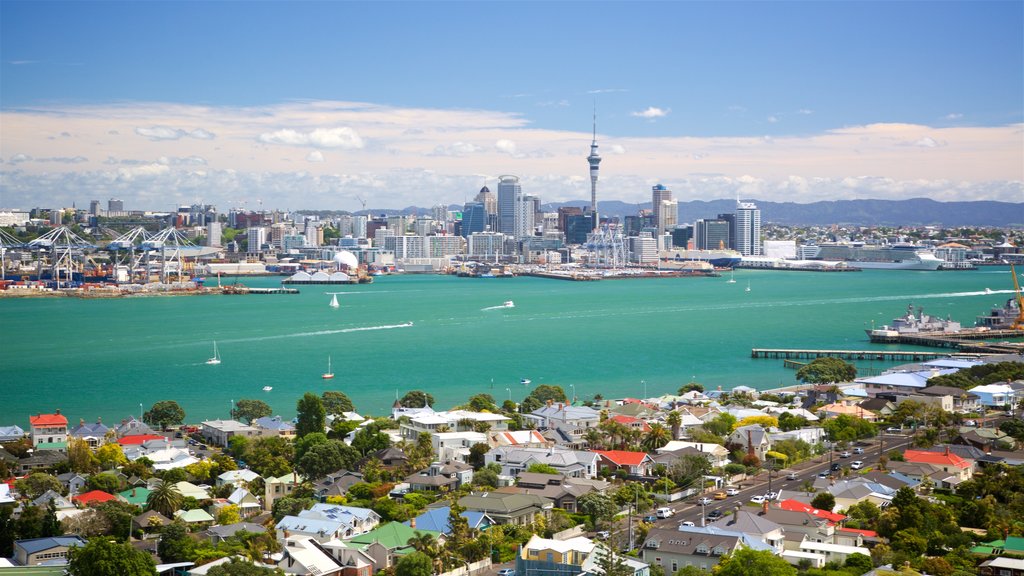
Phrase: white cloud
(606,90)
(805,111)
(554,104)
(651,113)
(505,146)
(201,134)
(315,156)
(773,119)
(617,149)
(160,132)
(345,138)
(953,116)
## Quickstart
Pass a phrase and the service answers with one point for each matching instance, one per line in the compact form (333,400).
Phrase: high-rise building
(474,218)
(748,229)
(94,207)
(489,200)
(509,192)
(731,219)
(594,160)
(115,205)
(213,234)
(666,209)
(525,214)
(711,234)
(257,237)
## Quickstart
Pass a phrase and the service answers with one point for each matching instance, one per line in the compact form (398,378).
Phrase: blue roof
(309,525)
(436,520)
(39,544)
(951,363)
(336,512)
(750,542)
(274,423)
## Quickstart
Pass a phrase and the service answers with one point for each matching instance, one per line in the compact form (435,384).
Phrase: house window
(674,567)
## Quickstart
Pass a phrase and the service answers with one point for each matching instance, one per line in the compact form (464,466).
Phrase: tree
(303,445)
(721,425)
(164,413)
(824,501)
(250,410)
(369,439)
(80,456)
(37,483)
(289,507)
(165,499)
(175,544)
(482,403)
(745,561)
(110,455)
(416,399)
(51,526)
(788,422)
(657,437)
(102,557)
(476,455)
(336,402)
(322,459)
(611,564)
(846,428)
(106,482)
(8,532)
(675,421)
(228,515)
(541,468)
(827,371)
(415,564)
(599,507)
(691,387)
(546,392)
(859,562)
(238,567)
(311,415)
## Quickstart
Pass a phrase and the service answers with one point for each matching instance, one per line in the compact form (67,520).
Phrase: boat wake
(322,332)
(507,304)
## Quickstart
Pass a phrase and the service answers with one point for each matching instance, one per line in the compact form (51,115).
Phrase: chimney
(412,523)
(81,421)
(57,411)
(947,449)
(99,419)
(549,402)
(133,492)
(561,406)
(764,507)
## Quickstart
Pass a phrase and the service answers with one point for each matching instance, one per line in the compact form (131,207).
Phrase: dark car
(835,467)
(714,515)
(650,518)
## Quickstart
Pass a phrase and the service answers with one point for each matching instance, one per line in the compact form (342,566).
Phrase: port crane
(62,245)
(1018,322)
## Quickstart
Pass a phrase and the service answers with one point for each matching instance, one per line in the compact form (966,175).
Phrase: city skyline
(793,101)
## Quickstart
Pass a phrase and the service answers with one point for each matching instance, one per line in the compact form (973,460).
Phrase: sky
(326,105)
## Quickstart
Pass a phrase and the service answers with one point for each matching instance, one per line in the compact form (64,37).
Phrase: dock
(892,355)
(247,290)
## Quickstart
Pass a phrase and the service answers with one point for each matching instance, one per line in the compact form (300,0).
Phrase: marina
(886,355)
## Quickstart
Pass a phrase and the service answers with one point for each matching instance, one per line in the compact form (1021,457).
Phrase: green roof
(1014,544)
(140,497)
(51,446)
(196,515)
(34,571)
(392,535)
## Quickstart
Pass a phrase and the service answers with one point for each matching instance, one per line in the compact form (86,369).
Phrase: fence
(470,569)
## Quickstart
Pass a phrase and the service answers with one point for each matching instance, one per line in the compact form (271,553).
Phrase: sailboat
(328,375)
(732,277)
(748,286)
(216,355)
(334,301)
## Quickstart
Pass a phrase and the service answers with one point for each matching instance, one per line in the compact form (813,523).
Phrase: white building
(748,229)
(257,236)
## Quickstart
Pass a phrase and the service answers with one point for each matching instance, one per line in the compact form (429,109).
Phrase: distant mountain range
(912,212)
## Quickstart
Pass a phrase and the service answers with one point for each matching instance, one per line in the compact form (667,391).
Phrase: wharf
(272,291)
(910,355)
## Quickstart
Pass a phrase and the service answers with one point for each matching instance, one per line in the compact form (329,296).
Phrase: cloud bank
(323,154)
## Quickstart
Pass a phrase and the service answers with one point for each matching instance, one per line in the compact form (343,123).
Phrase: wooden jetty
(907,355)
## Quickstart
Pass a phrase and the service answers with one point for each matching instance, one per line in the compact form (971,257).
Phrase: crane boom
(1018,322)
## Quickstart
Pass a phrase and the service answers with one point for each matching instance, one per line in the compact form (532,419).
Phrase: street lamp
(644,382)
(509,390)
(573,399)
(140,410)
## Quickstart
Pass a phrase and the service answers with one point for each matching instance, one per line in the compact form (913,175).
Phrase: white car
(792,476)
(757,499)
(856,465)
(771,496)
(732,491)
(845,454)
(858,450)
(703,501)
(687,523)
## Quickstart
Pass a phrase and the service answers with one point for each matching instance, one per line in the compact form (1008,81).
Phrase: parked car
(856,465)
(792,476)
(835,467)
(720,495)
(858,450)
(771,495)
(822,474)
(892,430)
(703,501)
(845,454)
(602,535)
(970,423)
(687,523)
(714,515)
(757,499)
(507,572)
(732,491)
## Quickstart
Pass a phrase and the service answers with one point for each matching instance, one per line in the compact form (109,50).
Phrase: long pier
(911,355)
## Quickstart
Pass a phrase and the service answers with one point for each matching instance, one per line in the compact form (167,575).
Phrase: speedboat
(509,304)
(268,388)
(525,381)
(988,290)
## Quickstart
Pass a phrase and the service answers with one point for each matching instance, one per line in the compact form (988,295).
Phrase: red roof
(133,439)
(46,420)
(946,458)
(865,533)
(630,421)
(93,497)
(623,457)
(798,506)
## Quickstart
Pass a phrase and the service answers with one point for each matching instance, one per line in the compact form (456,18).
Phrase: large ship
(670,259)
(888,257)
(911,323)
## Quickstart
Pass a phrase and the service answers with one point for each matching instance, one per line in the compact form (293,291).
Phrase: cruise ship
(889,257)
(669,259)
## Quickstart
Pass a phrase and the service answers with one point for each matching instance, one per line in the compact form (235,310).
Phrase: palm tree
(594,439)
(675,420)
(165,499)
(657,437)
(427,544)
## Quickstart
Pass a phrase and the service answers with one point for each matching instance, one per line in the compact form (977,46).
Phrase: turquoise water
(104,357)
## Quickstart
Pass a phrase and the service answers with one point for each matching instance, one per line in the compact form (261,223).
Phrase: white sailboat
(216,355)
(732,277)
(334,301)
(329,374)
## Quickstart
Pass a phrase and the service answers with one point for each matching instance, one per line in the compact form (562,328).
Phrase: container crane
(1018,322)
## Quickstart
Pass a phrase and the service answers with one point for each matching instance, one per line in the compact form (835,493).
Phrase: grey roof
(674,541)
(273,423)
(496,502)
(750,523)
(89,429)
(39,544)
(231,529)
(11,432)
(947,391)
(961,450)
(566,412)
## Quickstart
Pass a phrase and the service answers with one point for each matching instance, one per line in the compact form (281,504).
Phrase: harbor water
(452,337)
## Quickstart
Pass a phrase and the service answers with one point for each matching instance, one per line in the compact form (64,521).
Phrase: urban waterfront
(106,357)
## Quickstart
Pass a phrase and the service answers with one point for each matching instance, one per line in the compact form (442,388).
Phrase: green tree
(846,428)
(415,564)
(51,526)
(690,387)
(541,468)
(110,455)
(164,413)
(336,402)
(657,437)
(80,456)
(369,439)
(745,562)
(482,403)
(858,563)
(721,425)
(548,392)
(102,557)
(8,532)
(824,501)
(416,399)
(598,507)
(303,445)
(610,563)
(788,422)
(325,458)
(249,410)
(827,371)
(37,483)
(290,507)
(311,415)
(107,482)
(228,515)
(165,499)
(175,544)
(238,567)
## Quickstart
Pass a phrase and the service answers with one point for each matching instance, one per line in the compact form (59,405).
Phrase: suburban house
(441,477)
(436,520)
(388,542)
(219,432)
(995,395)
(568,423)
(717,454)
(36,551)
(701,547)
(455,445)
(518,438)
(336,484)
(632,463)
(572,463)
(275,426)
(955,468)
(304,555)
(840,409)
(49,431)
(11,433)
(237,477)
(94,433)
(520,509)
(564,492)
(248,504)
(956,399)
(325,522)
(451,421)
(570,557)
(280,487)
(753,438)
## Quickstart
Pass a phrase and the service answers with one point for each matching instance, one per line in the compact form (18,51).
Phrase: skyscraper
(474,218)
(748,229)
(711,234)
(509,191)
(594,160)
(487,198)
(666,210)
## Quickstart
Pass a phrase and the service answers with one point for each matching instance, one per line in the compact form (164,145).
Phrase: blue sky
(102,94)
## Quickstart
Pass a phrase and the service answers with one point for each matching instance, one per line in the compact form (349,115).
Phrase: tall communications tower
(594,160)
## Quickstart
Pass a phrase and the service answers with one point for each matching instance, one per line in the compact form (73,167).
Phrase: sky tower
(594,160)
